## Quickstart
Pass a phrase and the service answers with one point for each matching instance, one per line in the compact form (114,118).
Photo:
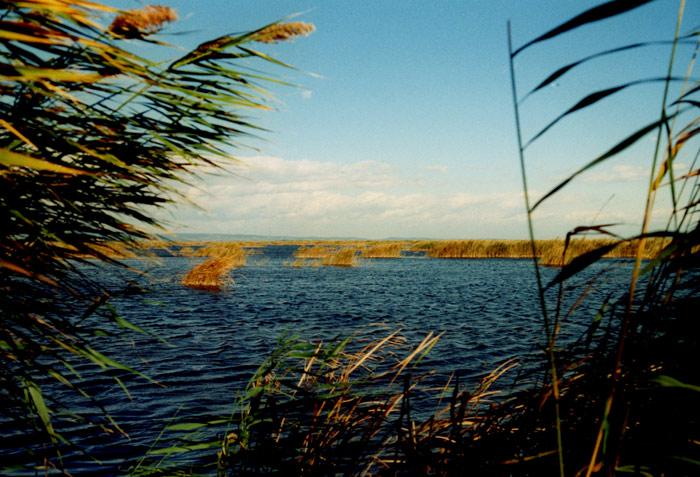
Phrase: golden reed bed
(547,250)
(225,256)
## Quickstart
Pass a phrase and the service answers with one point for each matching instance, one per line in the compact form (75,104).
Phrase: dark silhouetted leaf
(619,147)
(581,263)
(601,12)
(594,98)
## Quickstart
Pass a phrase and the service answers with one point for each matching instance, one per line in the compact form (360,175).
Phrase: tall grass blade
(580,263)
(590,100)
(616,149)
(565,69)
(41,409)
(601,12)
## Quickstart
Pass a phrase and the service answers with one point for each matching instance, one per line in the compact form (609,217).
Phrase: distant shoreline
(550,252)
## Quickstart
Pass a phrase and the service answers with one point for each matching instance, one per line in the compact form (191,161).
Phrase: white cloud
(370,199)
(435,168)
(271,195)
(617,173)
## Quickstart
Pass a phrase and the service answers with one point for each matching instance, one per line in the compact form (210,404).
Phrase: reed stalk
(549,335)
(617,364)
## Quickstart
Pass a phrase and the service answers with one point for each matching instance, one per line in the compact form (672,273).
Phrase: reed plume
(282,32)
(141,22)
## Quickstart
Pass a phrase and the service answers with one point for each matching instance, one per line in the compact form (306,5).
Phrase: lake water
(488,309)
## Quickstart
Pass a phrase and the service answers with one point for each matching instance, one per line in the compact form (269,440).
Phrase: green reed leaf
(565,69)
(41,409)
(636,470)
(14,159)
(669,382)
(187,426)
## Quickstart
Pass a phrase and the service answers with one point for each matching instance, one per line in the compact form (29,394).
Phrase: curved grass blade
(669,382)
(601,12)
(594,98)
(565,69)
(581,263)
(14,159)
(41,409)
(619,147)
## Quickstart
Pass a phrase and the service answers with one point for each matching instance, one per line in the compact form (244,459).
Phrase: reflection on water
(488,309)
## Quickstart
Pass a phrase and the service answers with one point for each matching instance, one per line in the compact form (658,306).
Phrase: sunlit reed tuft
(344,257)
(211,275)
(139,23)
(283,32)
(384,250)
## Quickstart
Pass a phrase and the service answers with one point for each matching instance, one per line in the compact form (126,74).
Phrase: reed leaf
(600,12)
(613,151)
(593,98)
(92,137)
(580,263)
(565,69)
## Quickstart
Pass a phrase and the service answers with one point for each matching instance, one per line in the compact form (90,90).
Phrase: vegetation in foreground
(93,137)
(622,400)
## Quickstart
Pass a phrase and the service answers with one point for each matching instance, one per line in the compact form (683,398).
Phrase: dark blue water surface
(488,310)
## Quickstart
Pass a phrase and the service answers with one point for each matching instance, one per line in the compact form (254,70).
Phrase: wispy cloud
(272,195)
(435,168)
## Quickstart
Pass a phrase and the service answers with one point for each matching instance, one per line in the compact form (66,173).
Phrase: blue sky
(403,122)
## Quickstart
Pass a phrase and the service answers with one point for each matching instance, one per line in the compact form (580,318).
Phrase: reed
(596,411)
(560,253)
(383,250)
(212,274)
(303,263)
(343,257)
(314,251)
(186,252)
(222,249)
(478,249)
(314,408)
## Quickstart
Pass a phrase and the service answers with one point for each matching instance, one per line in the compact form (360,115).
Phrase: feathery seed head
(283,32)
(139,23)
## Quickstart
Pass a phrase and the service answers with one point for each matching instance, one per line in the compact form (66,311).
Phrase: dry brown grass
(223,249)
(344,257)
(211,275)
(552,251)
(384,250)
(315,251)
(330,252)
(115,250)
(304,263)
(186,252)
(476,248)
